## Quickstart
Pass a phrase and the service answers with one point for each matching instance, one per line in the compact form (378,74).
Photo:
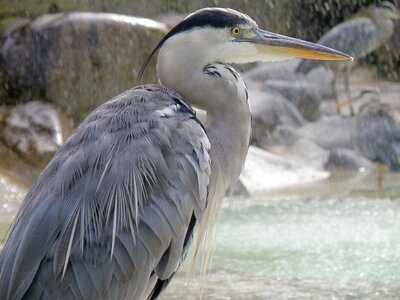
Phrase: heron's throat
(184,65)
(222,96)
(181,68)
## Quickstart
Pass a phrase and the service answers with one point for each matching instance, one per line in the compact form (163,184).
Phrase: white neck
(181,66)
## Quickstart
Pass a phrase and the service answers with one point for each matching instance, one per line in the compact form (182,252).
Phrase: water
(343,245)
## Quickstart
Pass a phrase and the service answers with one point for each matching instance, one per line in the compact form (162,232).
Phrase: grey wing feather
(356,37)
(113,209)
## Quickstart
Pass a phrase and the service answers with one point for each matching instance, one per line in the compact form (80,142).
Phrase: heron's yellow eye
(235,30)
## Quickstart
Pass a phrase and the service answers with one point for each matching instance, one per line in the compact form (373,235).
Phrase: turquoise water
(343,245)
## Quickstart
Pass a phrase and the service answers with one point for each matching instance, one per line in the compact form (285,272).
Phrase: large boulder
(287,142)
(322,80)
(348,159)
(303,94)
(330,132)
(319,79)
(269,110)
(34,131)
(304,149)
(78,60)
(264,171)
(283,70)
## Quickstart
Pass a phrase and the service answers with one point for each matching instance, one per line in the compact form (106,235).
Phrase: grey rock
(35,131)
(328,108)
(347,159)
(78,60)
(322,80)
(301,93)
(284,70)
(319,79)
(269,110)
(265,171)
(330,132)
(287,142)
(284,136)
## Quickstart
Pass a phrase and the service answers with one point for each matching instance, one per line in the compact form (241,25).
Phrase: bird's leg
(380,173)
(335,93)
(347,73)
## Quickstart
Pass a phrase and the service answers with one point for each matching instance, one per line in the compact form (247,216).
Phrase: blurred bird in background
(358,37)
(377,132)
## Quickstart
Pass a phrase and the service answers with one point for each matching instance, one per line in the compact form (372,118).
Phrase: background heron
(377,132)
(358,37)
(112,215)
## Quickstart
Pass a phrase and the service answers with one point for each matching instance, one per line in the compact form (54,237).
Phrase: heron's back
(377,134)
(356,37)
(112,214)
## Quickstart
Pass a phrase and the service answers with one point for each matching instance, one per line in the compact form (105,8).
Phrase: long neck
(229,140)
(223,96)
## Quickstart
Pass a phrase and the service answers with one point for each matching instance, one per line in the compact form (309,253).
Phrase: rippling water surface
(343,245)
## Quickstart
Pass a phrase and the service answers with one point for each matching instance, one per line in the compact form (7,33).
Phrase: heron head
(228,36)
(388,10)
(366,95)
(242,41)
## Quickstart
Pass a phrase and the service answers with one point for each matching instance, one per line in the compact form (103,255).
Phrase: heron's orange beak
(287,47)
(393,15)
(344,103)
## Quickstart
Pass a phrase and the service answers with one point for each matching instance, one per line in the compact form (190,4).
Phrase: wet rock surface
(329,141)
(77,60)
(303,94)
(264,171)
(347,159)
(331,132)
(34,132)
(284,70)
(269,110)
(285,141)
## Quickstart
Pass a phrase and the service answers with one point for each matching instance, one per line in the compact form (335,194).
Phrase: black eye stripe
(209,18)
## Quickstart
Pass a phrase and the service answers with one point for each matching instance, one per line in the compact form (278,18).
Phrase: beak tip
(344,56)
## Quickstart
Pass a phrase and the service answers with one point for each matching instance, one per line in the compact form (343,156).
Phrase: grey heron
(358,37)
(377,132)
(113,213)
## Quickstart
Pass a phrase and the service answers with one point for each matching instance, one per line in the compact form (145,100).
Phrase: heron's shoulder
(144,99)
(146,107)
